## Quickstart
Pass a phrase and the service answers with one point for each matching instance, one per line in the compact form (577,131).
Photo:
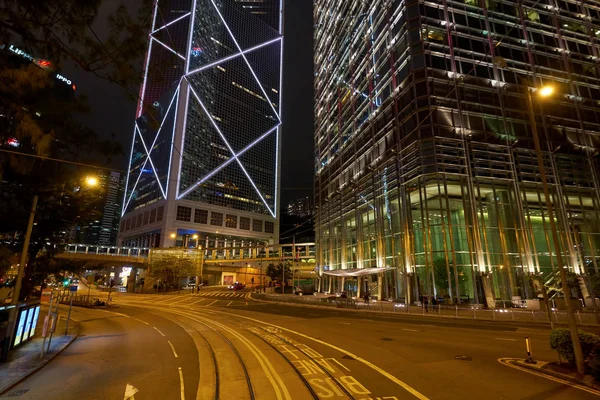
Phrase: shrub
(560,340)
(593,363)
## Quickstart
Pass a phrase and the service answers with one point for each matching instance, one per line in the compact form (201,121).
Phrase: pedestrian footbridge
(141,256)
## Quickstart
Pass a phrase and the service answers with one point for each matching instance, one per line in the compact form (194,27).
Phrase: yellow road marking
(505,361)
(260,356)
(383,372)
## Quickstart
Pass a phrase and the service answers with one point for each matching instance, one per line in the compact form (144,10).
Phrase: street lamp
(544,92)
(91,181)
(12,318)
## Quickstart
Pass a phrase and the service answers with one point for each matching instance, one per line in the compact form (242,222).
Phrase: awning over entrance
(357,271)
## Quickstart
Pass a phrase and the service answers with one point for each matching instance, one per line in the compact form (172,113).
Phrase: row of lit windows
(216,219)
(142,219)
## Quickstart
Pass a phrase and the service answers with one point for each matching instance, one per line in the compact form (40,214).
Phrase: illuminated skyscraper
(205,153)
(426,169)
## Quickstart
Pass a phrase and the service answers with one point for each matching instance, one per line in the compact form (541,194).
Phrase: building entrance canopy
(357,271)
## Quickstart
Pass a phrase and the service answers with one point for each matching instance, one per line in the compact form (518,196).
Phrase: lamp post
(544,92)
(12,318)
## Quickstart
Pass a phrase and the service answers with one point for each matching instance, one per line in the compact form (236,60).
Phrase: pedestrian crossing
(220,294)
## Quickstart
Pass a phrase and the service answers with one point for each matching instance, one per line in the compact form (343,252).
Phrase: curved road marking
(172,348)
(181,383)
(369,364)
(260,356)
(158,330)
(383,372)
(506,361)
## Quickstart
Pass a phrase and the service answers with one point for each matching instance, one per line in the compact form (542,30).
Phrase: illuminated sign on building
(62,78)
(44,64)
(21,53)
(196,51)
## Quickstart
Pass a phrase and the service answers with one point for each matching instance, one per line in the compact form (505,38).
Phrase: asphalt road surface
(223,345)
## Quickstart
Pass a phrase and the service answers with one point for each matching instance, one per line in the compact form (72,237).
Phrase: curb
(43,363)
(537,324)
(582,384)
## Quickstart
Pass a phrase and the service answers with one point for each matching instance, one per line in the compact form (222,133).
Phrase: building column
(380,286)
(358,286)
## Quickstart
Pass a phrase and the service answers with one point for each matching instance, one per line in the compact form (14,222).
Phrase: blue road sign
(73,288)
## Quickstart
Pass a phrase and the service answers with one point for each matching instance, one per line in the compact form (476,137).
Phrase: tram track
(249,328)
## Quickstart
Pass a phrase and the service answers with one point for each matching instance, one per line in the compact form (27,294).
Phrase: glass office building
(205,153)
(424,154)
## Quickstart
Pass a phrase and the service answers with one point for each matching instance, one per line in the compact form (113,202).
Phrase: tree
(171,269)
(440,273)
(275,271)
(7,258)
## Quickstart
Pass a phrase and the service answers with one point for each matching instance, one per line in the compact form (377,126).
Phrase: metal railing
(447,311)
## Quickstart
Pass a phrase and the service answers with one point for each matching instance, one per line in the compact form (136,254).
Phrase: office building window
(153,215)
(159,213)
(269,227)
(257,225)
(139,221)
(231,221)
(146,215)
(216,218)
(183,213)
(245,223)
(200,216)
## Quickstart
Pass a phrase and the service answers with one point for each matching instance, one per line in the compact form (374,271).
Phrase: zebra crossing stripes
(220,294)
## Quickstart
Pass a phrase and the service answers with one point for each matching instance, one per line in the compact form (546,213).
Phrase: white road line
(181,383)
(345,323)
(172,348)
(410,330)
(212,303)
(508,340)
(229,302)
(158,330)
(143,322)
(196,302)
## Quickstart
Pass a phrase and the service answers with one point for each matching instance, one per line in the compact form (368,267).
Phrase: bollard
(408,308)
(493,313)
(532,316)
(512,314)
(529,359)
(439,306)
(579,316)
(456,311)
(474,316)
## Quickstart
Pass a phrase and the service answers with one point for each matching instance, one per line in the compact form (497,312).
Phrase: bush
(560,340)
(593,363)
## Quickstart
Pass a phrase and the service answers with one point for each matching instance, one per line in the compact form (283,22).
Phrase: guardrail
(448,311)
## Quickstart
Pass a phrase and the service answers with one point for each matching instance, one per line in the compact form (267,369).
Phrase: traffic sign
(73,288)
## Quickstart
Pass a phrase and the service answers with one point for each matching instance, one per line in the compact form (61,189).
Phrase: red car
(237,286)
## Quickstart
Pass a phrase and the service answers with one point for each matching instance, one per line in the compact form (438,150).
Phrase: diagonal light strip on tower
(128,172)
(167,47)
(245,59)
(172,22)
(236,55)
(151,163)
(230,149)
(226,163)
(148,152)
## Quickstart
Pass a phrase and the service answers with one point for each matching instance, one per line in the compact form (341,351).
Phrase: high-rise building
(301,207)
(105,228)
(205,155)
(426,164)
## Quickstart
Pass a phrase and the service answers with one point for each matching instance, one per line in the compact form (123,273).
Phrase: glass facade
(424,153)
(208,124)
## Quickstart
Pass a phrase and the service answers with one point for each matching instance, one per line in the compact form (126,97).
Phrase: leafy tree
(7,258)
(171,269)
(441,275)
(275,271)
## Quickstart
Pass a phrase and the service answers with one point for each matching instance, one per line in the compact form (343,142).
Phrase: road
(231,347)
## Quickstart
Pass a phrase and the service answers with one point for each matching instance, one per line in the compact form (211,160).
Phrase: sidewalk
(443,311)
(25,360)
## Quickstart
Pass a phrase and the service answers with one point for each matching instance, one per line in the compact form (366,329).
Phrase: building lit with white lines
(205,154)
(425,158)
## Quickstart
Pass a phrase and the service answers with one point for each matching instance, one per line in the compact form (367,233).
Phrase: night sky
(113,112)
